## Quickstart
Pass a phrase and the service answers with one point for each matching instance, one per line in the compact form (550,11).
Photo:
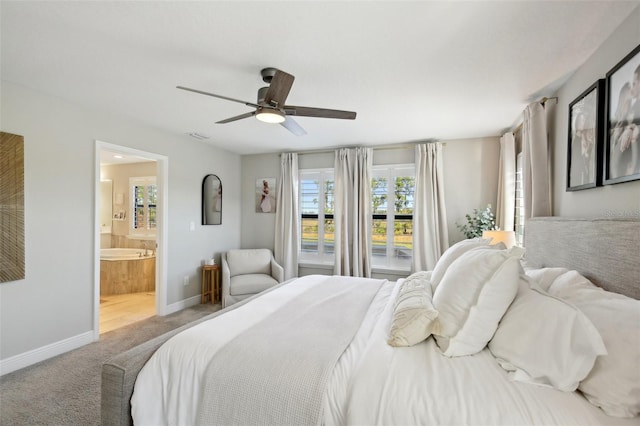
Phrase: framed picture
(622,148)
(586,135)
(266,195)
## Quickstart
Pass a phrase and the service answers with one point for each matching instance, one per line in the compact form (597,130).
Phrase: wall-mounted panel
(11,207)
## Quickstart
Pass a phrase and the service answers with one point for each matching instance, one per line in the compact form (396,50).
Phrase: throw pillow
(414,317)
(453,253)
(474,293)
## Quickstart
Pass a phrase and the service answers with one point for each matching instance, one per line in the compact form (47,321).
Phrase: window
(392,189)
(316,206)
(519,209)
(144,196)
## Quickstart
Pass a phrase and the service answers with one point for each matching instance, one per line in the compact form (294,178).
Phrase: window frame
(391,172)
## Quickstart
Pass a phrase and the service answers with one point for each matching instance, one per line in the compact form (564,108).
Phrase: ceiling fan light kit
(270,115)
(271,108)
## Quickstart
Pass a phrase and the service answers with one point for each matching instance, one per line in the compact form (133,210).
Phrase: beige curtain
(430,234)
(352,212)
(287,229)
(535,147)
(505,209)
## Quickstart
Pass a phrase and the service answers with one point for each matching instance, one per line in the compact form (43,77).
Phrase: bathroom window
(145,199)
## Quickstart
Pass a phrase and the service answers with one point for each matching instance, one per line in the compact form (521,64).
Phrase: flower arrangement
(481,220)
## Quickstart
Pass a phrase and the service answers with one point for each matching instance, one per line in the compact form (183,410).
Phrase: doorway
(130,254)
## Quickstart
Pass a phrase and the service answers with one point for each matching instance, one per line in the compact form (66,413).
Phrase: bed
(324,357)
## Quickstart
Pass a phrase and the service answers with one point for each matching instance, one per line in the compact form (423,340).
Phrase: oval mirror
(211,200)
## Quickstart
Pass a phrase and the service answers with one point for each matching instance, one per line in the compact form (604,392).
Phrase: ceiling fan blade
(279,88)
(291,125)
(319,112)
(226,98)
(237,117)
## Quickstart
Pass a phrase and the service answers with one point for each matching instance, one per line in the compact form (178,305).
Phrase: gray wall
(610,200)
(257,228)
(52,308)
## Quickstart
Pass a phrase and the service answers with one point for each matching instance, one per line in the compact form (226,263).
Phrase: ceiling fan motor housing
(267,74)
(262,93)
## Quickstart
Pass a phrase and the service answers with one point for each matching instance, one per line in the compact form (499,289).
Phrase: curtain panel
(505,209)
(536,174)
(287,228)
(352,211)
(430,234)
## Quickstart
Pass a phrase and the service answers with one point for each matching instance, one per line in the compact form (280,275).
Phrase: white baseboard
(34,356)
(31,357)
(178,306)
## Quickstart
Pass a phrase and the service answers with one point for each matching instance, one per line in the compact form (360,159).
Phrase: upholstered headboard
(606,251)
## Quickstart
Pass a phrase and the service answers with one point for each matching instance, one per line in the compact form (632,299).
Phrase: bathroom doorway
(130,225)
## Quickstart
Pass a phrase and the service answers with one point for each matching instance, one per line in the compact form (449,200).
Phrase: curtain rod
(542,101)
(380,147)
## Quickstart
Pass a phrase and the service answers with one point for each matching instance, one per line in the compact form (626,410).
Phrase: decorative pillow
(414,317)
(614,382)
(451,254)
(545,340)
(544,277)
(473,295)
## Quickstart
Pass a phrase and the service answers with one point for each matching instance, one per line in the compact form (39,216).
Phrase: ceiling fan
(271,107)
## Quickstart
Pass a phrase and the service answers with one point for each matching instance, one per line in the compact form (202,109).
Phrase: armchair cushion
(250,284)
(249,261)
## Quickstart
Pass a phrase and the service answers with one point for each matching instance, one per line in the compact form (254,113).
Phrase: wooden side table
(211,284)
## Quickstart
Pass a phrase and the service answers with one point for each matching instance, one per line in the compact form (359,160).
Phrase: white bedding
(373,383)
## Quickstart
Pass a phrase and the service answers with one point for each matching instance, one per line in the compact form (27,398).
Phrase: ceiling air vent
(198,136)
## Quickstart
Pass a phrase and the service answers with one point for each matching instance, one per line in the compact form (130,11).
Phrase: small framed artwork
(622,148)
(586,135)
(266,195)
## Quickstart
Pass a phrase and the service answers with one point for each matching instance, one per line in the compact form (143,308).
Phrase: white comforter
(372,384)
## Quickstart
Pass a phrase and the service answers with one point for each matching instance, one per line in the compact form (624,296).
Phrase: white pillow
(545,340)
(614,382)
(473,295)
(451,254)
(544,277)
(414,317)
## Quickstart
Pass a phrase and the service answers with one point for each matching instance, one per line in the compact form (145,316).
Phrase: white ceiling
(411,70)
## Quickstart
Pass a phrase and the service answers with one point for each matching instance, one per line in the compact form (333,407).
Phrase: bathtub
(111,254)
(126,270)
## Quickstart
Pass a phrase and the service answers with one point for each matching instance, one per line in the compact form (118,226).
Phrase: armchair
(246,272)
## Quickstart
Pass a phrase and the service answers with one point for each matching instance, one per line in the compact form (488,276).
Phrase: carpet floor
(65,390)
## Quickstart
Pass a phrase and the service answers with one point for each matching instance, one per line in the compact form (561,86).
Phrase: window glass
(316,207)
(329,236)
(144,195)
(309,241)
(379,190)
(379,240)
